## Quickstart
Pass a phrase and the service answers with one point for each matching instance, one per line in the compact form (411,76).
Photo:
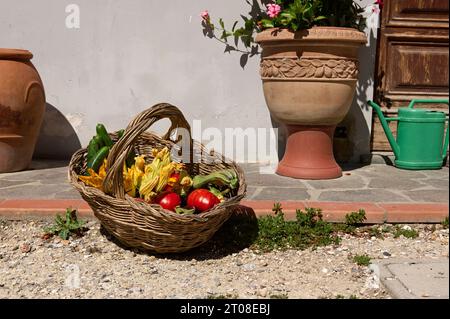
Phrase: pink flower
(205,15)
(376,10)
(273,10)
(379,2)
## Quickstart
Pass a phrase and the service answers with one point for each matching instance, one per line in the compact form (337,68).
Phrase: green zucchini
(99,158)
(99,141)
(92,149)
(101,131)
(120,133)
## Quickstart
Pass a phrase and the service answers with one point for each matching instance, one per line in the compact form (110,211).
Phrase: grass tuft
(445,223)
(407,233)
(362,260)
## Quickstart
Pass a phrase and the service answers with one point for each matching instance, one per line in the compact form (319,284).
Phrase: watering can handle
(438,101)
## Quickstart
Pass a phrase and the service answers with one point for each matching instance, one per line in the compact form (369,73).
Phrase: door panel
(412,58)
(417,13)
(419,68)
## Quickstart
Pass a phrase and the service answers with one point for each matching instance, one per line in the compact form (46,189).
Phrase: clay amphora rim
(15,54)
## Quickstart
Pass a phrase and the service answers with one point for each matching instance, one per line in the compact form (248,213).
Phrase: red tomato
(202,200)
(169,201)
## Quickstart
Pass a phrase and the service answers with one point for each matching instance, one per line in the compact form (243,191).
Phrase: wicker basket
(147,226)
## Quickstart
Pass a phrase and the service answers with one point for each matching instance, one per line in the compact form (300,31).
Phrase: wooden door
(413,58)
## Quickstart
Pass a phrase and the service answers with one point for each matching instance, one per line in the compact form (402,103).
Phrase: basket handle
(113,183)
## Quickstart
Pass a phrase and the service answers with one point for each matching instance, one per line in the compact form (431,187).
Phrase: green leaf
(184,211)
(266,23)
(64,234)
(59,220)
(226,34)
(63,227)
(246,40)
(287,15)
(222,24)
(234,26)
(319,18)
(249,24)
(239,32)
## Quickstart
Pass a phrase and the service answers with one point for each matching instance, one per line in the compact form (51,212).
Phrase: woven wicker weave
(146,226)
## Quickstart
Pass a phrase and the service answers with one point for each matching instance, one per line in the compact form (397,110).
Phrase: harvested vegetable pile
(162,181)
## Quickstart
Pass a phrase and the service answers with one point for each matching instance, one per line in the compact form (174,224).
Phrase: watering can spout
(386,128)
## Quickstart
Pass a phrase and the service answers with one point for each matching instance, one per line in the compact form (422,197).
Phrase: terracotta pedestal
(309,81)
(309,153)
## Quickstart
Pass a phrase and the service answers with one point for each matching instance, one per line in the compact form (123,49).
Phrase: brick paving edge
(376,213)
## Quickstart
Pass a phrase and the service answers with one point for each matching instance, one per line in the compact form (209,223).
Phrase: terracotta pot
(22,105)
(309,81)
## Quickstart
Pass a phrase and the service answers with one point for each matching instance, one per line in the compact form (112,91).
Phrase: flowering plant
(288,14)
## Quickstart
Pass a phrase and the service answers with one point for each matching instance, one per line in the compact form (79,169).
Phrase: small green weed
(445,223)
(361,260)
(387,229)
(406,232)
(309,230)
(65,227)
(277,209)
(375,232)
(352,221)
(356,218)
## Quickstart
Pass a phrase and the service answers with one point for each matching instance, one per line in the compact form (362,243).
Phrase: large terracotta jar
(22,105)
(309,80)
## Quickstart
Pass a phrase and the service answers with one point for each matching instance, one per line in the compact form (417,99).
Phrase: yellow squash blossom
(95,179)
(148,180)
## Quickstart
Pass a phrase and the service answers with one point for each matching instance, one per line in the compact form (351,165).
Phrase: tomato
(169,201)
(202,200)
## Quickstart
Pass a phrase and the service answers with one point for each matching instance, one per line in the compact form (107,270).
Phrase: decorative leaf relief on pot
(328,33)
(309,68)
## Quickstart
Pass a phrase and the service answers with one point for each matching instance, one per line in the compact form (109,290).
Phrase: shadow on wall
(352,137)
(57,139)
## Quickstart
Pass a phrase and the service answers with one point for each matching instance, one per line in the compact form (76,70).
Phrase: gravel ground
(95,267)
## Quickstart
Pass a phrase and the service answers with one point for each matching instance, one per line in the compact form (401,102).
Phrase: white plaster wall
(130,54)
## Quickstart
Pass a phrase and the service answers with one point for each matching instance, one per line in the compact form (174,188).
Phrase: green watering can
(420,141)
